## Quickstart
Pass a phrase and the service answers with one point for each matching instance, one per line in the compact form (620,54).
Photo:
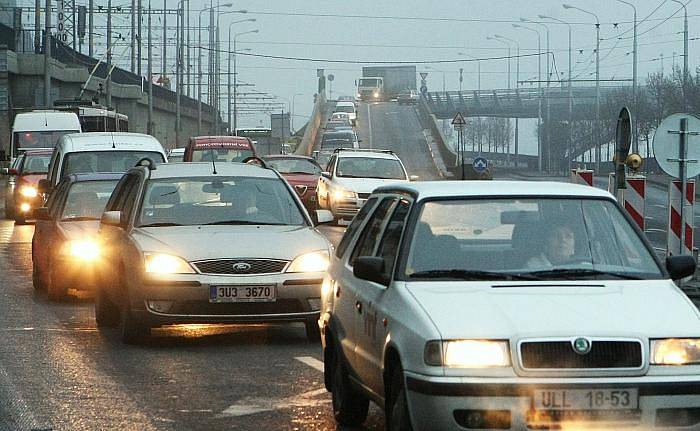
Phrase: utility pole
(91,28)
(597,95)
(139,39)
(178,90)
(133,36)
(37,26)
(149,126)
(188,62)
(685,54)
(109,53)
(47,56)
(165,39)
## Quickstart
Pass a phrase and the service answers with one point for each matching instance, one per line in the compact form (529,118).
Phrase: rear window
(105,161)
(39,139)
(347,109)
(221,154)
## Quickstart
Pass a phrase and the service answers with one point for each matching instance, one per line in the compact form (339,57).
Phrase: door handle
(358,307)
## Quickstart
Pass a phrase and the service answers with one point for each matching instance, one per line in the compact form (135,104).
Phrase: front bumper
(449,403)
(78,275)
(185,299)
(347,207)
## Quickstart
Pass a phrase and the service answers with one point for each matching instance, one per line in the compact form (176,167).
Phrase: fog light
(160,306)
(25,207)
(314,303)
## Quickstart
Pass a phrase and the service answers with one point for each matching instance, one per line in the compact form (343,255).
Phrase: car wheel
(397,416)
(56,287)
(37,282)
(133,330)
(106,312)
(313,332)
(349,406)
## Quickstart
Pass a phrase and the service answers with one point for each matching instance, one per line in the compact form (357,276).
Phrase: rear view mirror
(324,216)
(680,266)
(326,174)
(414,178)
(111,218)
(44,186)
(41,213)
(370,268)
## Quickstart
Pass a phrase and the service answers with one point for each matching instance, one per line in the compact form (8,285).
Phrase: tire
(349,406)
(56,288)
(132,329)
(313,332)
(20,219)
(106,312)
(37,281)
(396,411)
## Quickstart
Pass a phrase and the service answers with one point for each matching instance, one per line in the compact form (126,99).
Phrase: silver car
(205,243)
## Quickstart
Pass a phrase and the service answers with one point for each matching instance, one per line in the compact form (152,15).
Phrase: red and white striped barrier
(673,242)
(634,198)
(582,176)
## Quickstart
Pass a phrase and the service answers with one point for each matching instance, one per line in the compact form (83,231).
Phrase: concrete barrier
(306,147)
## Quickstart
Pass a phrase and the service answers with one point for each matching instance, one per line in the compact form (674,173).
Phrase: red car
(301,172)
(19,202)
(219,149)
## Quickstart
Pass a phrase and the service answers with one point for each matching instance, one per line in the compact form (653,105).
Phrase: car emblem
(301,189)
(241,266)
(581,346)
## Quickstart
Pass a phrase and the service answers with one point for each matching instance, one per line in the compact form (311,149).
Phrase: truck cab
(370,88)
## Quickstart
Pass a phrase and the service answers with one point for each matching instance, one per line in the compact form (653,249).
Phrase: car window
(55,199)
(222,155)
(389,245)
(294,166)
(87,199)
(105,161)
(53,166)
(367,242)
(354,226)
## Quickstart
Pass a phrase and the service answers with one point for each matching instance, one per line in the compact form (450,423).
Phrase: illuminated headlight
(376,94)
(675,351)
(28,191)
(467,353)
(161,263)
(316,261)
(344,194)
(82,249)
(25,207)
(359,95)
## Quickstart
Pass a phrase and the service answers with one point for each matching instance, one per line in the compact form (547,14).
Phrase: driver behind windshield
(559,247)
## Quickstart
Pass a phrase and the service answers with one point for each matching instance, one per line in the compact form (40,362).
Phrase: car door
(371,330)
(364,246)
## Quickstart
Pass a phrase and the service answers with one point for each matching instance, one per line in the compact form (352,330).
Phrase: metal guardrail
(306,146)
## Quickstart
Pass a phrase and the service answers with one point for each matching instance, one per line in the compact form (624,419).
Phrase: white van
(41,129)
(349,108)
(101,152)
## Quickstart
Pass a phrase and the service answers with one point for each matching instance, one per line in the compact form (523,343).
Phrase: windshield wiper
(161,224)
(581,272)
(81,218)
(241,222)
(463,274)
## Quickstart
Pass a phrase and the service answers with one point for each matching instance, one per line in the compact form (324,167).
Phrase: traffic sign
(667,143)
(423,89)
(458,121)
(331,77)
(423,75)
(480,165)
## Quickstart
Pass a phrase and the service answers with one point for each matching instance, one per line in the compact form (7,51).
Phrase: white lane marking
(369,126)
(311,362)
(17,407)
(253,405)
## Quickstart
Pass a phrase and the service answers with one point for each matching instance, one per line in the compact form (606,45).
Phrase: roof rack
(363,150)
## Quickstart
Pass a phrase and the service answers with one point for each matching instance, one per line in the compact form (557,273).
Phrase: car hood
(649,308)
(79,229)
(30,179)
(213,242)
(309,180)
(363,185)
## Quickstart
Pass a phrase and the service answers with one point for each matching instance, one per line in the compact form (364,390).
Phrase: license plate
(585,399)
(241,293)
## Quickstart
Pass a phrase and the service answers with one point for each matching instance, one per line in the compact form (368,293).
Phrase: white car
(176,155)
(349,108)
(507,305)
(351,177)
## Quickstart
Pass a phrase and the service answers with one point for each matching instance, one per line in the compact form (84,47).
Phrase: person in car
(559,247)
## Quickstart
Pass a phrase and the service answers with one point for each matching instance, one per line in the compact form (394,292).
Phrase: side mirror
(44,186)
(111,218)
(413,178)
(324,216)
(41,213)
(326,174)
(370,268)
(680,266)
(12,171)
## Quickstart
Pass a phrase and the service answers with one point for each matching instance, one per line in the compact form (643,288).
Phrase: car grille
(363,195)
(240,266)
(561,355)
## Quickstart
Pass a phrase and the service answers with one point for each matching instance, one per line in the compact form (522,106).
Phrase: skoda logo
(581,346)
(241,266)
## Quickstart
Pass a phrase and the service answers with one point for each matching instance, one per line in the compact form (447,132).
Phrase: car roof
(367,154)
(494,189)
(77,178)
(205,169)
(110,141)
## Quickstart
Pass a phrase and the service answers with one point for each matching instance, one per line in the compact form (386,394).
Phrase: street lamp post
(597,81)
(635,136)
(539,87)
(517,85)
(497,39)
(685,54)
(235,80)
(229,54)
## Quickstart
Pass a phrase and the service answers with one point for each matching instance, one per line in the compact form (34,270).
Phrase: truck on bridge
(385,82)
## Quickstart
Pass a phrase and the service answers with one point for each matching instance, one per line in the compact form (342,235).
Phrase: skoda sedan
(208,243)
(508,306)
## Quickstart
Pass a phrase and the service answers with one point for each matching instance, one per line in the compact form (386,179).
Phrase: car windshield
(370,167)
(87,199)
(345,108)
(225,200)
(294,166)
(369,82)
(105,161)
(36,164)
(540,238)
(221,154)
(39,139)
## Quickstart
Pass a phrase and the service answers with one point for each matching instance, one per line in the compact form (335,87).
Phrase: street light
(508,45)
(228,100)
(517,80)
(597,80)
(539,87)
(235,80)
(685,53)
(478,69)
(635,137)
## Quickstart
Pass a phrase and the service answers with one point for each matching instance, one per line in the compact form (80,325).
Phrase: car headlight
(85,249)
(376,94)
(344,194)
(467,353)
(675,351)
(161,263)
(28,191)
(316,261)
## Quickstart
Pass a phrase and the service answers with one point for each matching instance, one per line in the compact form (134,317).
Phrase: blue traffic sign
(480,165)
